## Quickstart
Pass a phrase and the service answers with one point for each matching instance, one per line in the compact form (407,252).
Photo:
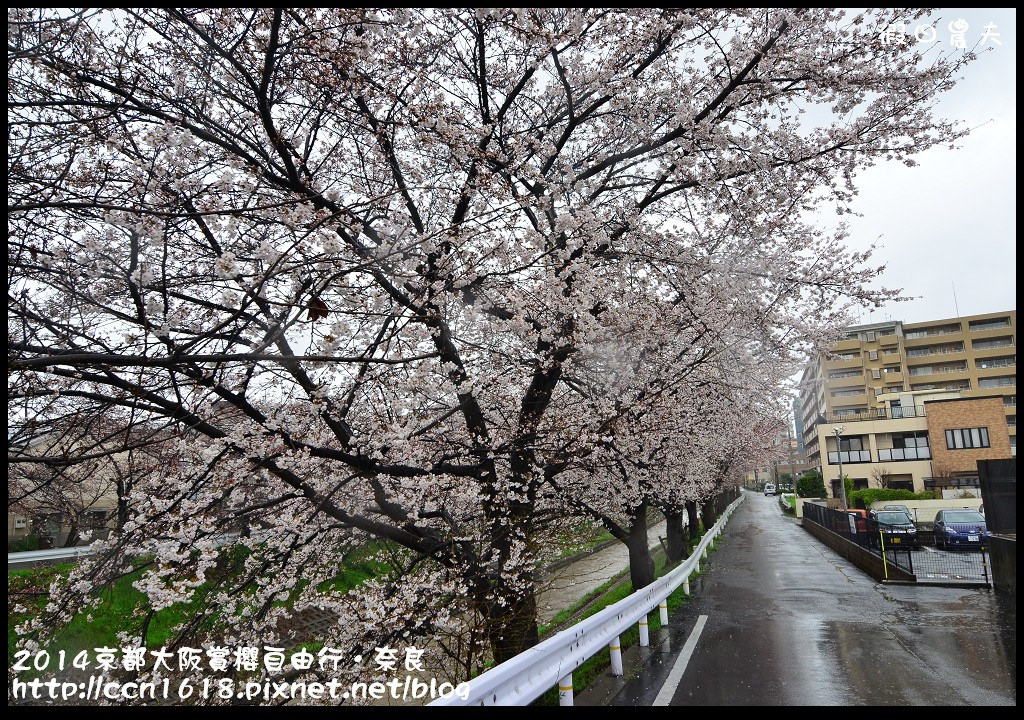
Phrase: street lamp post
(839,454)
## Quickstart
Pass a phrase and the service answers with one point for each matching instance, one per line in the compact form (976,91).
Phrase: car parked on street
(896,528)
(769,489)
(964,528)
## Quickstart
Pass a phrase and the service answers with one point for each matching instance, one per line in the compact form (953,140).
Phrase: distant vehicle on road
(965,528)
(896,528)
(769,489)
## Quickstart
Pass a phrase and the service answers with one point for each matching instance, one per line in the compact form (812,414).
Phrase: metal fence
(917,554)
(998,480)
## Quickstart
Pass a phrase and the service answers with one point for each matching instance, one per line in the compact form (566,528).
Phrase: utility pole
(792,466)
(839,455)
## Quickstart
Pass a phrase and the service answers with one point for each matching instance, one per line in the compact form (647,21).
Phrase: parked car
(895,527)
(769,489)
(903,508)
(859,524)
(965,528)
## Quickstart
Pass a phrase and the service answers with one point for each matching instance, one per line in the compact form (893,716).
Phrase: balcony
(997,382)
(860,398)
(843,364)
(851,457)
(843,345)
(997,345)
(888,340)
(995,324)
(892,378)
(997,365)
(989,333)
(925,371)
(943,357)
(906,411)
(852,380)
(923,333)
(900,412)
(901,454)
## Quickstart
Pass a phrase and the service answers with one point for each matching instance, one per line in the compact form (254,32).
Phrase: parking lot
(932,564)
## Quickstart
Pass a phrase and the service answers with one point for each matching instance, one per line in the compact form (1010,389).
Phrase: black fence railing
(917,552)
(998,481)
(863,531)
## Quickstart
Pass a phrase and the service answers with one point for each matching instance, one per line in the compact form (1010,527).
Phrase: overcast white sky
(952,218)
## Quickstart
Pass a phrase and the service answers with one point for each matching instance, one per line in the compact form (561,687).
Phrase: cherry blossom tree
(358,258)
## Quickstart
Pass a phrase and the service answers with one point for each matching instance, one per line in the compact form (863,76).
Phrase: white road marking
(672,682)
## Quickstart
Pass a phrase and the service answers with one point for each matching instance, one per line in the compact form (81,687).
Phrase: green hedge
(885,494)
(25,544)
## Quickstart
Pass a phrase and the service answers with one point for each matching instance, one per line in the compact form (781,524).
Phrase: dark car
(895,528)
(965,528)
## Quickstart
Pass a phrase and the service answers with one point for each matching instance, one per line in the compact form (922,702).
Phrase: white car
(769,489)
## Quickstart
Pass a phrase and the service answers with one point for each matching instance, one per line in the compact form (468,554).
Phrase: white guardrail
(53,554)
(29,556)
(530,674)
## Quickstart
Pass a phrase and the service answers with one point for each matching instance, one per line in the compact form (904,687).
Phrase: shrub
(29,542)
(810,485)
(885,494)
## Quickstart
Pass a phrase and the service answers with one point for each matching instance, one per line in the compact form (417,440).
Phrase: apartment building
(867,373)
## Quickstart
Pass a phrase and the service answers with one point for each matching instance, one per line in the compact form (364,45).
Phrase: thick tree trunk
(641,564)
(512,628)
(72,538)
(694,525)
(678,546)
(708,514)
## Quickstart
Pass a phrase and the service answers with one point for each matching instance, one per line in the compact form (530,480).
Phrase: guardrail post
(663,611)
(615,650)
(565,690)
(645,640)
(686,586)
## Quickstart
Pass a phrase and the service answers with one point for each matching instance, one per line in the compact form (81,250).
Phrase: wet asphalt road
(790,622)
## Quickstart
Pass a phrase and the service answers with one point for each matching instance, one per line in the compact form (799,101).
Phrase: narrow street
(783,620)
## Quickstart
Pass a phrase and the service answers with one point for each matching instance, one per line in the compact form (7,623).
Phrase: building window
(993,343)
(967,438)
(997,382)
(860,483)
(847,393)
(996,362)
(890,351)
(950,329)
(979,325)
